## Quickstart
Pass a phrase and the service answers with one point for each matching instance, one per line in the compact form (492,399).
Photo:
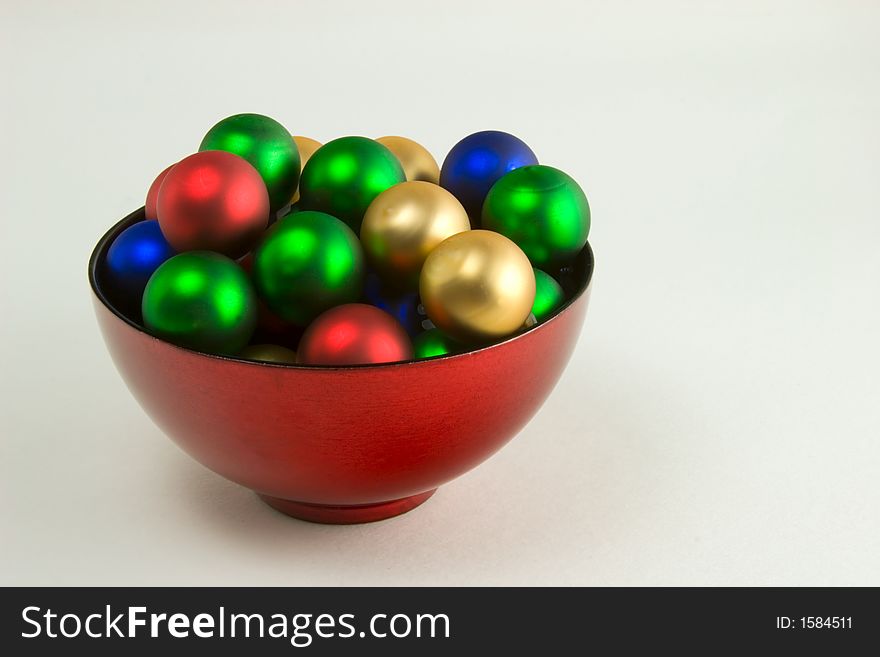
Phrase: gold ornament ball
(404,224)
(416,160)
(268,353)
(307,146)
(477,286)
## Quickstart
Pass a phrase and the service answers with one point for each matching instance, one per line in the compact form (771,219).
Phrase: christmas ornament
(416,160)
(307,263)
(134,255)
(434,343)
(268,353)
(548,295)
(476,162)
(344,176)
(543,210)
(267,145)
(354,334)
(213,201)
(403,224)
(153,194)
(477,286)
(402,306)
(306,147)
(201,300)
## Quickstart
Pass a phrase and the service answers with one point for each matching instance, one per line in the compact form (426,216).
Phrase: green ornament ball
(548,295)
(543,210)
(434,343)
(307,263)
(201,300)
(344,176)
(267,145)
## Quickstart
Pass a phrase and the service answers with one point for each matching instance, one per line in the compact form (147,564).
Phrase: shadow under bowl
(339,444)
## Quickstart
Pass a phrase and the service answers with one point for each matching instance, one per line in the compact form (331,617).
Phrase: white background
(720,420)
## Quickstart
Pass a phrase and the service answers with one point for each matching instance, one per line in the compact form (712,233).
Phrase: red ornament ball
(153,194)
(213,201)
(354,334)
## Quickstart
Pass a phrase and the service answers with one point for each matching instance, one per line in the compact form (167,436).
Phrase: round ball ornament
(213,201)
(201,300)
(153,194)
(548,295)
(416,160)
(354,334)
(308,263)
(477,286)
(268,353)
(344,176)
(404,224)
(266,145)
(543,210)
(306,147)
(433,342)
(135,254)
(402,306)
(477,162)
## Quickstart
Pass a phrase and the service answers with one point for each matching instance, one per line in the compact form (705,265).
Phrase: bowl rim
(137,216)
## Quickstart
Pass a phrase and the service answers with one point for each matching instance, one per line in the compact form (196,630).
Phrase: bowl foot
(346,515)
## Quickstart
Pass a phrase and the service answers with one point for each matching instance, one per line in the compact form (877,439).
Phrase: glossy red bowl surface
(340,444)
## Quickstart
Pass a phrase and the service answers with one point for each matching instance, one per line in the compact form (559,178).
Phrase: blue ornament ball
(477,162)
(134,255)
(403,306)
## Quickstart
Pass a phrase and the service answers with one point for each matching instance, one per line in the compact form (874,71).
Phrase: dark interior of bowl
(574,280)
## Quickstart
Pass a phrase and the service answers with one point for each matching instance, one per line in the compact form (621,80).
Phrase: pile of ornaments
(272,247)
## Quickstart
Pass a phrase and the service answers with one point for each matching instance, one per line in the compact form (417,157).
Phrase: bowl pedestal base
(346,515)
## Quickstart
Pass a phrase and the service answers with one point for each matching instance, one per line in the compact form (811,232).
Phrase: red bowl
(340,444)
